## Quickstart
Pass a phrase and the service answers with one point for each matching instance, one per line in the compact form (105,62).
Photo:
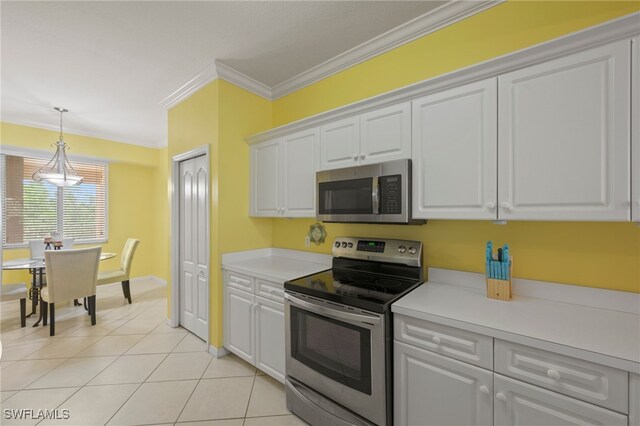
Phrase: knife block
(500,289)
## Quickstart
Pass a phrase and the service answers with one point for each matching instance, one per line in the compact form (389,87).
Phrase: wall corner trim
(225,72)
(218,352)
(201,79)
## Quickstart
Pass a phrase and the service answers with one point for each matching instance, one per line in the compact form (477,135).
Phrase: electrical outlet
(307,241)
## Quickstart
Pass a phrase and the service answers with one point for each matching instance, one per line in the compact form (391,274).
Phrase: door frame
(175,232)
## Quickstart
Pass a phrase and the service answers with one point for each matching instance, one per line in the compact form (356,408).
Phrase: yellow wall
(132,194)
(592,254)
(222,115)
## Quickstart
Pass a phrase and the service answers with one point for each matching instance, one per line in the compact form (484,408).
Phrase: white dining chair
(16,292)
(71,274)
(122,274)
(36,249)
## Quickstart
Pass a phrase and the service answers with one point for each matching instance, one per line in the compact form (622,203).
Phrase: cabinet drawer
(239,281)
(270,290)
(459,344)
(595,383)
(519,404)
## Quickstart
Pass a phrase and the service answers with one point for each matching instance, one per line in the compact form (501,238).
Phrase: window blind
(33,209)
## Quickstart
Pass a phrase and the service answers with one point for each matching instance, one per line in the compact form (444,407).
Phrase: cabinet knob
(362,156)
(436,340)
(501,397)
(483,389)
(355,157)
(491,205)
(506,206)
(553,374)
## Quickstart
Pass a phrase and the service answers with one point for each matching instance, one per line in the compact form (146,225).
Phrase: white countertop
(275,264)
(598,334)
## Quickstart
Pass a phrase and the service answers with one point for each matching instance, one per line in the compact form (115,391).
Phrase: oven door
(339,352)
(348,199)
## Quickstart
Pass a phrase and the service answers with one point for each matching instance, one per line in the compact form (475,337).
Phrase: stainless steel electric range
(339,334)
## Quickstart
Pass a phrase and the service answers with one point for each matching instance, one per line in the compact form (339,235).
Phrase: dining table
(37,268)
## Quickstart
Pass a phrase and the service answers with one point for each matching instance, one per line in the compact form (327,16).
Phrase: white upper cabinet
(564,138)
(265,188)
(454,153)
(340,143)
(386,134)
(299,174)
(635,132)
(283,176)
(373,137)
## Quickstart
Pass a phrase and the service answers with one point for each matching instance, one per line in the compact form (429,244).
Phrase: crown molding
(443,16)
(225,72)
(625,27)
(205,76)
(73,131)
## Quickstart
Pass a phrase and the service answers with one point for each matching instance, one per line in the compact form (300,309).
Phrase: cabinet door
(564,137)
(239,323)
(430,389)
(269,326)
(634,399)
(386,134)
(299,174)
(340,143)
(635,131)
(265,179)
(520,404)
(454,151)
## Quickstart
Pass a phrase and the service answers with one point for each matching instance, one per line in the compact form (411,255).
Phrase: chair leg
(44,308)
(126,290)
(23,312)
(52,320)
(92,308)
(87,306)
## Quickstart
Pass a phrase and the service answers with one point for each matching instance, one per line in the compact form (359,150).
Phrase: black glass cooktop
(370,291)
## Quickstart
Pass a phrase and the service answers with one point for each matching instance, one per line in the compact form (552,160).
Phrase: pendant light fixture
(58,170)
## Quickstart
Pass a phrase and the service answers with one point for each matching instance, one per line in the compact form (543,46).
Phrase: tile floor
(131,368)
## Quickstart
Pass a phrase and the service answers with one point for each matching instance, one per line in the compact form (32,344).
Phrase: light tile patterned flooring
(129,369)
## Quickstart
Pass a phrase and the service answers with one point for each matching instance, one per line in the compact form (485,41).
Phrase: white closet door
(194,274)
(564,137)
(454,151)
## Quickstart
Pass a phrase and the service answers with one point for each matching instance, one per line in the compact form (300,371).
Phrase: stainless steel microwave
(374,193)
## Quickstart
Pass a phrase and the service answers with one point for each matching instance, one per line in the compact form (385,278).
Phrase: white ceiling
(112,64)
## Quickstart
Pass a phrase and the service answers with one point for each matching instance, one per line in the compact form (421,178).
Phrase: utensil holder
(500,289)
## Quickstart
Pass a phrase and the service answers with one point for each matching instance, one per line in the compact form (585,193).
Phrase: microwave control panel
(390,194)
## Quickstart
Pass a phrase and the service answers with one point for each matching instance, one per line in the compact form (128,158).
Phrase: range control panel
(379,249)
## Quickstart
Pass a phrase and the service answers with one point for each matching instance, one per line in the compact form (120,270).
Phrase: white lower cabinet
(430,389)
(239,318)
(520,404)
(254,325)
(433,389)
(269,327)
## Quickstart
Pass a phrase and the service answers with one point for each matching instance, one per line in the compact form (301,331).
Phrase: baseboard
(153,278)
(218,352)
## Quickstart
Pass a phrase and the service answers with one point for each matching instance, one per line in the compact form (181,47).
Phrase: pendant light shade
(58,171)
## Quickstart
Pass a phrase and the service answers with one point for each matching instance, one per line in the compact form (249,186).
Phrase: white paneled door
(194,274)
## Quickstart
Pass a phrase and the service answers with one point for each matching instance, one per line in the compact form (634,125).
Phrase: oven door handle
(333,313)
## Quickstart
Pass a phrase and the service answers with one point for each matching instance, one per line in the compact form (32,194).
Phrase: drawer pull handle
(436,340)
(484,390)
(501,397)
(553,374)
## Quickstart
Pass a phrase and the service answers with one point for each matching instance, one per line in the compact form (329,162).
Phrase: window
(32,209)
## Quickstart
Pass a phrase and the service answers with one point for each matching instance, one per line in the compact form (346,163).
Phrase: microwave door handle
(375,194)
